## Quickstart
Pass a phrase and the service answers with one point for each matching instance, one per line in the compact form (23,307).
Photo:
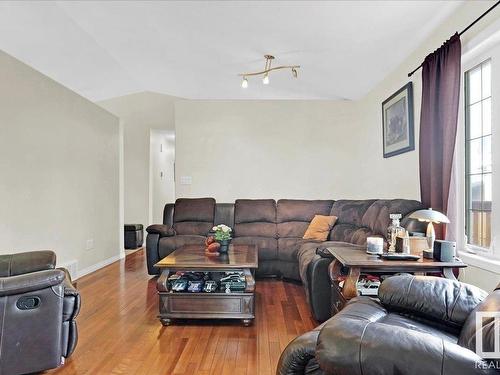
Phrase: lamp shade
(430,215)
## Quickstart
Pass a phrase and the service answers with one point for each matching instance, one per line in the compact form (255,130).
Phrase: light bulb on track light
(265,80)
(244,84)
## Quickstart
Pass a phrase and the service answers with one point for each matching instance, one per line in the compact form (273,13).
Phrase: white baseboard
(100,265)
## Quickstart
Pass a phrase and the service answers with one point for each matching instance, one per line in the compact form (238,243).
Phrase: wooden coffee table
(358,260)
(217,305)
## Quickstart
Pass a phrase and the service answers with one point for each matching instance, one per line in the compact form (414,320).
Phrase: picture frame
(398,132)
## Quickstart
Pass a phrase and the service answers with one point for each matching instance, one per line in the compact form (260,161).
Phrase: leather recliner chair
(38,306)
(418,325)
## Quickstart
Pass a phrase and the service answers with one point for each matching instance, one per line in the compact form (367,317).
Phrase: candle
(374,245)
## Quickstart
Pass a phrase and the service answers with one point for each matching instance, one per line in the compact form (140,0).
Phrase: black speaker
(444,251)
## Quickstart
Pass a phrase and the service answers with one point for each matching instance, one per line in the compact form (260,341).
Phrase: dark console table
(218,305)
(358,261)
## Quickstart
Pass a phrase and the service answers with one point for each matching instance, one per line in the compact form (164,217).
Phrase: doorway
(162,173)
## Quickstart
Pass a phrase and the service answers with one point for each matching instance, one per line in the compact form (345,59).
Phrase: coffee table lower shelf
(206,306)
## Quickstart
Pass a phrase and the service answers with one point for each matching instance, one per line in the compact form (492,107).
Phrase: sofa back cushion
(194,216)
(255,217)
(349,220)
(295,215)
(358,219)
(377,217)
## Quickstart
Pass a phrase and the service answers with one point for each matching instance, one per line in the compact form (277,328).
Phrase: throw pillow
(320,227)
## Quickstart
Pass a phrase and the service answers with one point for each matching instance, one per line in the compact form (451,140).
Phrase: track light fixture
(244,83)
(267,70)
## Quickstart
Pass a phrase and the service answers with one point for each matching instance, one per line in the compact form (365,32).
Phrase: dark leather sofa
(277,229)
(38,307)
(419,325)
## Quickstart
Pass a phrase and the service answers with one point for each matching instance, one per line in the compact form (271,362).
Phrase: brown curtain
(438,124)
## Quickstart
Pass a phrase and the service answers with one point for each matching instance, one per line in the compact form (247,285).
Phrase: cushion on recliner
(255,218)
(194,209)
(194,216)
(351,211)
(21,263)
(254,210)
(299,210)
(342,232)
(377,217)
(295,215)
(349,218)
(169,244)
(267,247)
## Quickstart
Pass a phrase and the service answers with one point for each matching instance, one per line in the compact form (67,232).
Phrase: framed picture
(397,122)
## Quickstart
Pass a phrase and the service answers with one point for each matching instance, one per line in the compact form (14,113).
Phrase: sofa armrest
(21,263)
(161,229)
(297,356)
(30,282)
(323,252)
(363,346)
(433,298)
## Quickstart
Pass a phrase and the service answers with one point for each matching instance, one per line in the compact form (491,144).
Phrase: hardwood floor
(120,334)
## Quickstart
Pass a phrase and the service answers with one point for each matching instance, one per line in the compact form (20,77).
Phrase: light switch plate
(186,180)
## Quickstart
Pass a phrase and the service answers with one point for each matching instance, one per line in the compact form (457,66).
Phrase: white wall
(281,149)
(59,170)
(139,113)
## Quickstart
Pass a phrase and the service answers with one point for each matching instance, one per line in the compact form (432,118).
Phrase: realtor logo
(493,322)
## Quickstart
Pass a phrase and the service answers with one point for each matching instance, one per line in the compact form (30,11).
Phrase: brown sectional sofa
(277,229)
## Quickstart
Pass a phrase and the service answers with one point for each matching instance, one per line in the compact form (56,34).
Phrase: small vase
(224,246)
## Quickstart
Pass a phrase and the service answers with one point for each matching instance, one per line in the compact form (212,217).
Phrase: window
(478,159)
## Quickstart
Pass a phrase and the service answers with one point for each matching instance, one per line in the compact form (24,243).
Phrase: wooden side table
(358,261)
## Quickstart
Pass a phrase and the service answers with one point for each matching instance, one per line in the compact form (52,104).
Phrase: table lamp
(430,216)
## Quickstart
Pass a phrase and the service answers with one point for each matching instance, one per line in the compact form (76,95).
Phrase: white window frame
(470,247)
(486,46)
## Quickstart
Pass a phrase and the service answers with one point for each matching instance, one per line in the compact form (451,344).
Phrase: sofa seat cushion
(194,216)
(267,247)
(288,248)
(169,244)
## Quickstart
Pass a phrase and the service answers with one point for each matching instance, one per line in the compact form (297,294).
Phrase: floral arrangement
(222,232)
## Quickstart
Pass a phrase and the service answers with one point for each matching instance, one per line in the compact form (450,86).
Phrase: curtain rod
(463,31)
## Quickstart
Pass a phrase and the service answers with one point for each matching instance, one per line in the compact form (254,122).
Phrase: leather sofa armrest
(32,261)
(323,252)
(161,229)
(296,357)
(69,286)
(30,282)
(72,300)
(433,298)
(351,344)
